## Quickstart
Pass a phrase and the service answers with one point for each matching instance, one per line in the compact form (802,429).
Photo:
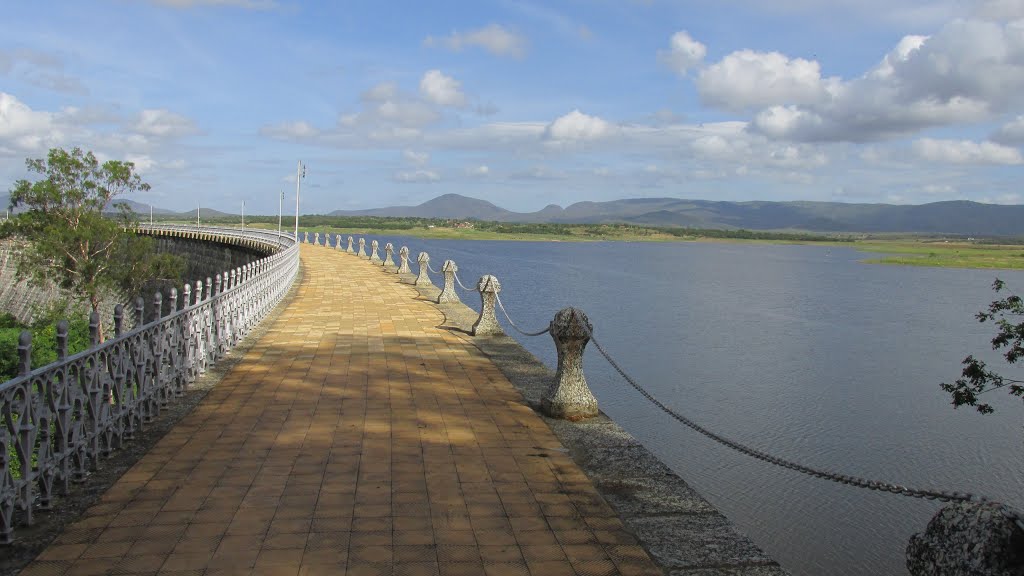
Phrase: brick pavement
(355,437)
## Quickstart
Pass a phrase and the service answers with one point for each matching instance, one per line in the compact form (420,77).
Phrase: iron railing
(58,421)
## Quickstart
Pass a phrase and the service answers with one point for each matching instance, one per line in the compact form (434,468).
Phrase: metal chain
(431,269)
(517,328)
(927,494)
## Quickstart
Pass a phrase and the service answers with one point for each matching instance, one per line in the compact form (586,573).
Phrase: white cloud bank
(442,90)
(966,152)
(969,71)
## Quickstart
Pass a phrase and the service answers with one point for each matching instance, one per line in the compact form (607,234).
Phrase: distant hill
(959,217)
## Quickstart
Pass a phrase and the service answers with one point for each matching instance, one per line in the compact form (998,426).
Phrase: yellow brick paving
(355,437)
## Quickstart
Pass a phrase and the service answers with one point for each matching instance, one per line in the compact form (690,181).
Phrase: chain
(431,269)
(456,274)
(517,328)
(927,494)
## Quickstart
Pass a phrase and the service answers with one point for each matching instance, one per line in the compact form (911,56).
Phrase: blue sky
(523,103)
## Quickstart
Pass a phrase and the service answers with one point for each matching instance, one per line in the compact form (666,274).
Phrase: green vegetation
(959,254)
(71,242)
(44,336)
(976,378)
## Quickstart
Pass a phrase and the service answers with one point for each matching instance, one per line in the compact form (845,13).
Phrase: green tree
(71,241)
(977,378)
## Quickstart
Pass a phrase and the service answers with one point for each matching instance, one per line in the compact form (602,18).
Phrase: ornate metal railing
(58,421)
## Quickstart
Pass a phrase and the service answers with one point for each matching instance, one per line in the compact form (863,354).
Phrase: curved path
(355,437)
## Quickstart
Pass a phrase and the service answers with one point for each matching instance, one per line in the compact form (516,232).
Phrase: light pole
(243,213)
(280,205)
(300,173)
(199,206)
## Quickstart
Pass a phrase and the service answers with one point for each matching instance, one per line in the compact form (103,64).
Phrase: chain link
(431,269)
(927,494)
(517,328)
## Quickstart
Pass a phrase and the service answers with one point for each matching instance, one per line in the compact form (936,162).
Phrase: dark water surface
(799,351)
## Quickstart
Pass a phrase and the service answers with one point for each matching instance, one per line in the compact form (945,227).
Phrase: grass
(944,254)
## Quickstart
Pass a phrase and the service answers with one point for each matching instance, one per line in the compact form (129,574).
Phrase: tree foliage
(977,378)
(71,241)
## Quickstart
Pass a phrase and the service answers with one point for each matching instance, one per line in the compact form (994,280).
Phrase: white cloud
(481,170)
(966,152)
(23,130)
(749,80)
(143,162)
(494,38)
(163,123)
(381,92)
(41,69)
(417,176)
(1011,133)
(442,90)
(684,52)
(578,127)
(416,158)
(966,72)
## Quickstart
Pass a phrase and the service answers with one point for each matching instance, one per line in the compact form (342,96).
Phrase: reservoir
(800,351)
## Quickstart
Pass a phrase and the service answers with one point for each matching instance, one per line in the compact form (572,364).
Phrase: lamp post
(280,205)
(300,173)
(199,206)
(243,213)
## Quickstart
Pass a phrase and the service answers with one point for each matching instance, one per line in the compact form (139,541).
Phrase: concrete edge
(681,530)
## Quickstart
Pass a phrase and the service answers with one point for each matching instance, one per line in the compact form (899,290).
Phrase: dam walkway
(356,436)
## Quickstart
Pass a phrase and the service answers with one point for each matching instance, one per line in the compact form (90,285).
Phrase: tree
(977,378)
(71,242)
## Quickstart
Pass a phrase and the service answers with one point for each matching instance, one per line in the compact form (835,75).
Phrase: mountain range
(956,217)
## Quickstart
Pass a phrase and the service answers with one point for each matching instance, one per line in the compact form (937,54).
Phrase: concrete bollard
(316,239)
(337,242)
(374,258)
(349,250)
(448,294)
(488,287)
(423,278)
(403,255)
(362,248)
(968,538)
(389,251)
(569,397)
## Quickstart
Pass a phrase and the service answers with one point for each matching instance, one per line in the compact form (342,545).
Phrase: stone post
(389,251)
(316,239)
(448,294)
(423,278)
(374,258)
(968,538)
(488,287)
(403,255)
(337,242)
(349,249)
(362,248)
(569,397)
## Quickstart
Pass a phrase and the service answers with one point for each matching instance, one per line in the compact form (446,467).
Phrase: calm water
(797,350)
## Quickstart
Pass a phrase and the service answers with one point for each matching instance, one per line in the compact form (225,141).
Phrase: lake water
(800,351)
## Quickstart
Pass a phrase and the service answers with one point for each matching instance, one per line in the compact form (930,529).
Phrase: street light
(300,173)
(243,213)
(280,205)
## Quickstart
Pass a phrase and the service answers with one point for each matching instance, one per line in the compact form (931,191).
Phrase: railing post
(158,306)
(316,239)
(219,286)
(119,316)
(24,353)
(174,302)
(448,294)
(62,340)
(94,327)
(423,278)
(374,258)
(362,248)
(486,324)
(403,256)
(389,251)
(968,538)
(337,242)
(349,250)
(569,397)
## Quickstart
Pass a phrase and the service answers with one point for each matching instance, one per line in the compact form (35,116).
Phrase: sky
(523,103)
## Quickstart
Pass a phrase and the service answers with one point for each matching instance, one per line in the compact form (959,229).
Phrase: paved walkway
(355,437)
